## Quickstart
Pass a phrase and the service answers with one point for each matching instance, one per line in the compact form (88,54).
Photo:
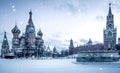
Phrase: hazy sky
(60,20)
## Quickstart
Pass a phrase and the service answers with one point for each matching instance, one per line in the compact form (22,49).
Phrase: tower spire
(5,35)
(5,41)
(30,22)
(110,12)
(30,14)
(5,46)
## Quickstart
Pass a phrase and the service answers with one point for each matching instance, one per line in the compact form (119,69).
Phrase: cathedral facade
(31,44)
(110,32)
(28,44)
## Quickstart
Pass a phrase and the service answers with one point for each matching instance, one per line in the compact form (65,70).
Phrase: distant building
(89,42)
(48,52)
(15,39)
(5,46)
(109,37)
(89,48)
(71,47)
(100,52)
(110,32)
(55,53)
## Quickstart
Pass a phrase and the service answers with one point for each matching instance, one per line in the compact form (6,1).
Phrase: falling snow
(14,10)
(13,6)
(101,68)
(79,10)
(69,13)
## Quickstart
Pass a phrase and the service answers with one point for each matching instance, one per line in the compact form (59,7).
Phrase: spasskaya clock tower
(110,32)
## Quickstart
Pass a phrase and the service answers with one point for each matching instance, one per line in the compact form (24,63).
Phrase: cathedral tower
(15,40)
(30,33)
(5,46)
(39,44)
(71,47)
(110,32)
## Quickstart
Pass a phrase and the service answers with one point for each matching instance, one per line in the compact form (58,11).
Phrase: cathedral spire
(5,41)
(5,46)
(5,37)
(30,22)
(110,12)
(30,14)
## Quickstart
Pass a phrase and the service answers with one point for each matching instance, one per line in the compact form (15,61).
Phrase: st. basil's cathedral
(28,44)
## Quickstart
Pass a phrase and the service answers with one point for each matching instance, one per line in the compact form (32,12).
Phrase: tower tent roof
(5,41)
(30,22)
(110,11)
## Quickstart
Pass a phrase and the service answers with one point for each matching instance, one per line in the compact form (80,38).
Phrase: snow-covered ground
(55,66)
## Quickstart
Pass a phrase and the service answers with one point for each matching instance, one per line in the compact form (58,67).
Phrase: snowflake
(13,6)
(21,22)
(100,68)
(69,13)
(14,10)
(79,10)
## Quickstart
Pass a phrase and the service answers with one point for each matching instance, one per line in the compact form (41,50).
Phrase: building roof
(110,12)
(30,22)
(40,33)
(89,42)
(15,30)
(5,41)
